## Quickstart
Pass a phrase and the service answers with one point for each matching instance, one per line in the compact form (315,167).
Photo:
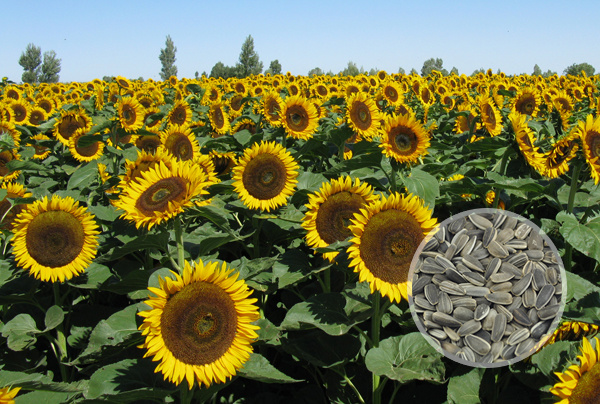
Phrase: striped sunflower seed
(463,314)
(473,263)
(431,294)
(535,255)
(522,317)
(469,327)
(535,242)
(498,327)
(493,267)
(522,284)
(419,284)
(474,278)
(476,291)
(489,235)
(479,221)
(502,298)
(481,312)
(477,344)
(544,296)
(456,225)
(505,235)
(522,231)
(497,250)
(444,303)
(529,298)
(452,288)
(510,223)
(518,336)
(446,320)
(525,347)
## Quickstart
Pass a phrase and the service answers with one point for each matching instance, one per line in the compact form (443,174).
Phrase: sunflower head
(362,115)
(580,384)
(55,239)
(8,210)
(219,120)
(199,325)
(405,139)
(131,113)
(272,105)
(180,142)
(265,176)
(527,101)
(490,116)
(69,122)
(87,152)
(387,234)
(180,114)
(330,210)
(299,117)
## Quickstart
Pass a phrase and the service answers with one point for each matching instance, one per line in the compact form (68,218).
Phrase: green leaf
(107,213)
(258,368)
(578,287)
(310,181)
(46,397)
(516,184)
(131,380)
(552,358)
(406,358)
(83,176)
(54,317)
(3,194)
(424,185)
(140,243)
(583,237)
(464,385)
(20,332)
(119,329)
(325,311)
(93,277)
(15,165)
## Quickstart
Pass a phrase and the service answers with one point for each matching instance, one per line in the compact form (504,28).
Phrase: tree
(477,71)
(536,70)
(352,70)
(220,70)
(274,67)
(401,70)
(433,64)
(576,68)
(454,70)
(548,73)
(315,72)
(249,62)
(167,59)
(31,60)
(50,68)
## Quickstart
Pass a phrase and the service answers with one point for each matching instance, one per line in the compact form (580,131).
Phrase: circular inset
(486,288)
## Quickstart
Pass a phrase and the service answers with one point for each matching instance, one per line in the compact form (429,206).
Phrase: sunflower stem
(186,394)
(61,341)
(375,328)
(179,242)
(393,186)
(503,163)
(570,205)
(257,224)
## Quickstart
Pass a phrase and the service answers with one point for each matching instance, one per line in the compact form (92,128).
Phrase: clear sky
(109,38)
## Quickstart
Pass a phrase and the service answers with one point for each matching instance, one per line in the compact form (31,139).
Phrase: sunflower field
(248,240)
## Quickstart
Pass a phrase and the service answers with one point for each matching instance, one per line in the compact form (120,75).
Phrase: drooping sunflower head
(387,233)
(299,117)
(405,139)
(69,122)
(85,152)
(55,239)
(219,120)
(180,114)
(526,140)
(527,101)
(362,115)
(223,162)
(330,210)
(41,152)
(580,384)
(200,326)
(589,132)
(162,193)
(557,159)
(180,142)
(265,176)
(490,116)
(131,113)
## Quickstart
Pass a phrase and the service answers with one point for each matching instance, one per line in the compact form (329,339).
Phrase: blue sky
(95,39)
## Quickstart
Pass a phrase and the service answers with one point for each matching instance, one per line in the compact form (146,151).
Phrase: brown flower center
(334,214)
(264,176)
(157,197)
(587,390)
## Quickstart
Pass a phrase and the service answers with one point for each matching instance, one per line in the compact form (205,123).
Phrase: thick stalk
(375,328)
(61,340)
(179,242)
(502,172)
(570,206)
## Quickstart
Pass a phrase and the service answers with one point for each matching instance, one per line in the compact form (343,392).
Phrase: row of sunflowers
(254,236)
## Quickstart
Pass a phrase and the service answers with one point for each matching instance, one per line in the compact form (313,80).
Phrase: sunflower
(589,131)
(265,176)
(6,174)
(69,122)
(362,115)
(404,139)
(556,161)
(464,121)
(8,211)
(387,234)
(573,331)
(581,383)
(148,143)
(180,142)
(20,111)
(526,139)
(299,117)
(87,153)
(490,116)
(218,118)
(527,101)
(180,114)
(131,114)
(199,326)
(162,192)
(490,196)
(243,124)
(206,164)
(223,162)
(123,82)
(236,105)
(330,210)
(55,239)
(7,394)
(10,129)
(152,120)
(272,105)
(41,152)
(37,116)
(563,104)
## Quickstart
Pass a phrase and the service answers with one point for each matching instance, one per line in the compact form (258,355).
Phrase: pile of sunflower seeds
(486,288)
